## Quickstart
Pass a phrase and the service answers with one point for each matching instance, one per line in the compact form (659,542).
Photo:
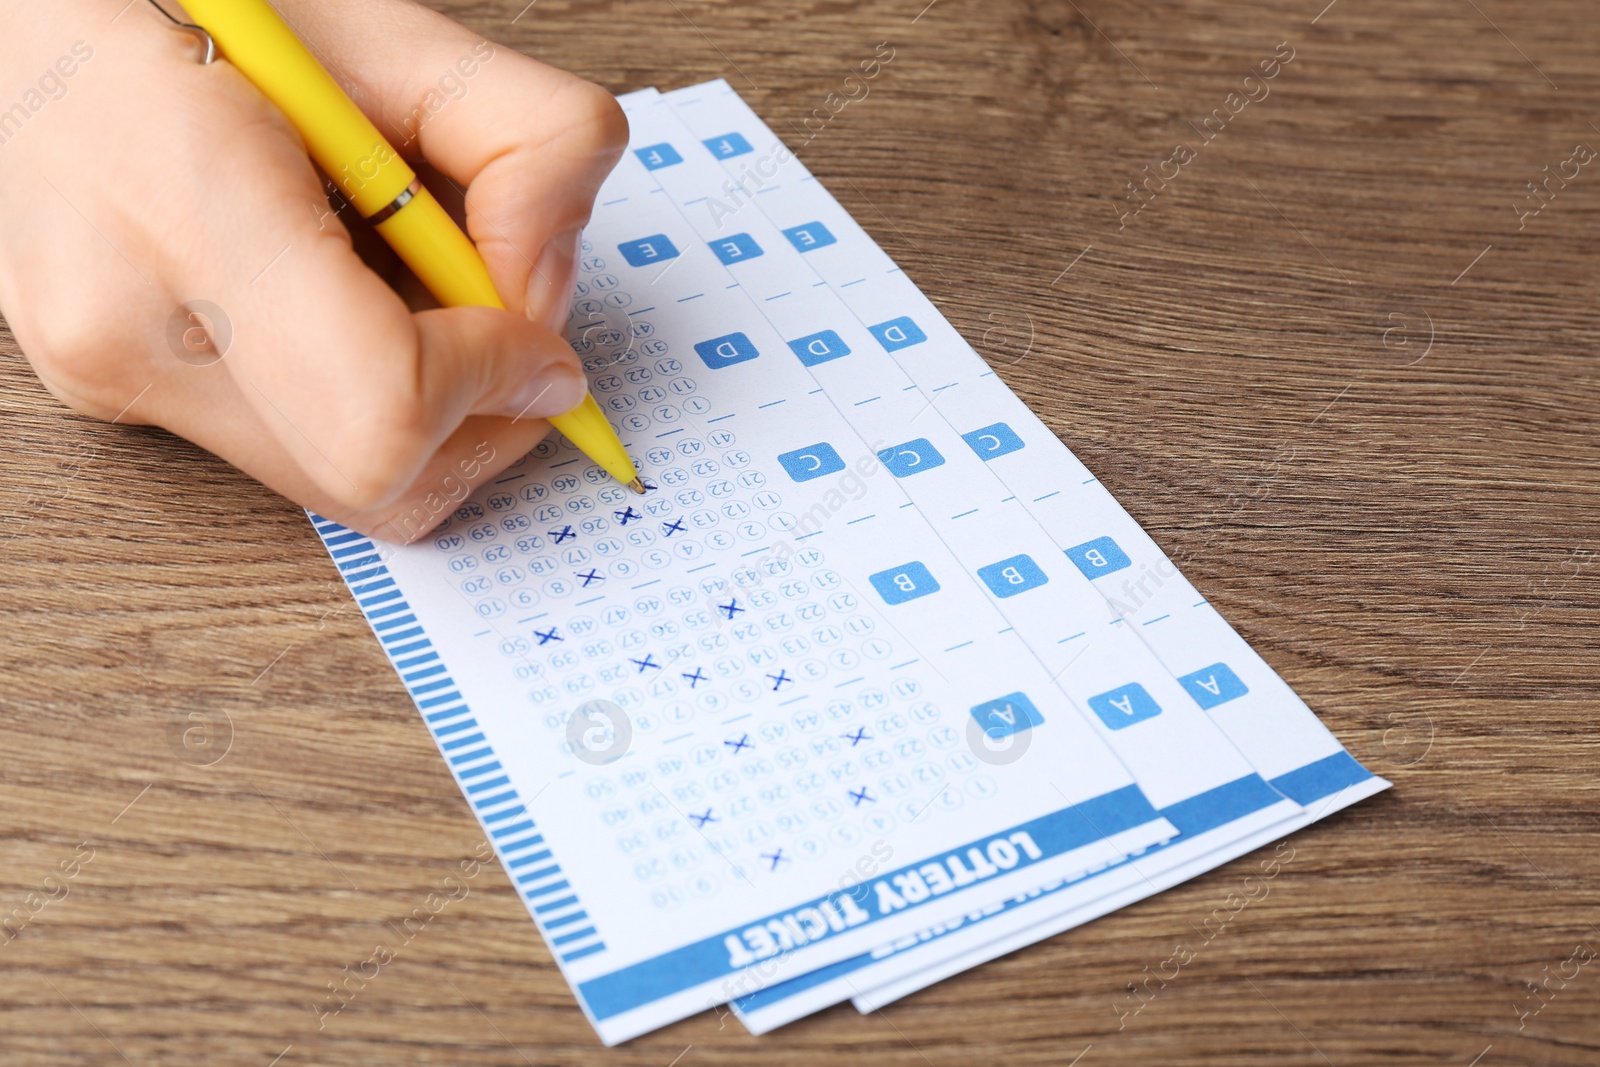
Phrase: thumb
(529,143)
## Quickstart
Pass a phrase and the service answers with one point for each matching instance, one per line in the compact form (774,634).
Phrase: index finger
(529,143)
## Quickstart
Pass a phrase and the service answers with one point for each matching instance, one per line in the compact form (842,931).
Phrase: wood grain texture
(1404,530)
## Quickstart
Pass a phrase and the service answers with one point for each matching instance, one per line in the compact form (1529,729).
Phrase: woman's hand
(168,254)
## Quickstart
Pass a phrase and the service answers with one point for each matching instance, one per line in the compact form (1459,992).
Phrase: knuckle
(77,357)
(380,446)
(599,115)
(609,118)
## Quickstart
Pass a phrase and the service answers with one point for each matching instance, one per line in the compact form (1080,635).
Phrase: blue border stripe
(1322,778)
(1196,815)
(708,959)
(517,846)
(556,905)
(425,672)
(532,857)
(427,678)
(509,813)
(1222,805)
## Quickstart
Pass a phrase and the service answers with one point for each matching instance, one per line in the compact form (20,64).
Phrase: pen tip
(637,485)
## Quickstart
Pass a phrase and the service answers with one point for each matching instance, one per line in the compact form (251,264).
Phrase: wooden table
(1323,364)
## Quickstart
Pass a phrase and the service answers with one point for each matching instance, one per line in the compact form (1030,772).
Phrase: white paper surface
(865,675)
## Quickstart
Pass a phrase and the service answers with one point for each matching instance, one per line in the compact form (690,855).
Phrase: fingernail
(554,391)
(551,283)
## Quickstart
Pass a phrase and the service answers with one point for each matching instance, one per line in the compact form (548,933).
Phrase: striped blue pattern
(527,859)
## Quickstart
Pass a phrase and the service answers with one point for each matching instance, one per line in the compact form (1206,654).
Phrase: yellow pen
(378,184)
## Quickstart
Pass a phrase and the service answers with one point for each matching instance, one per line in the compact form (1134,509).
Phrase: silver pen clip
(189,27)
